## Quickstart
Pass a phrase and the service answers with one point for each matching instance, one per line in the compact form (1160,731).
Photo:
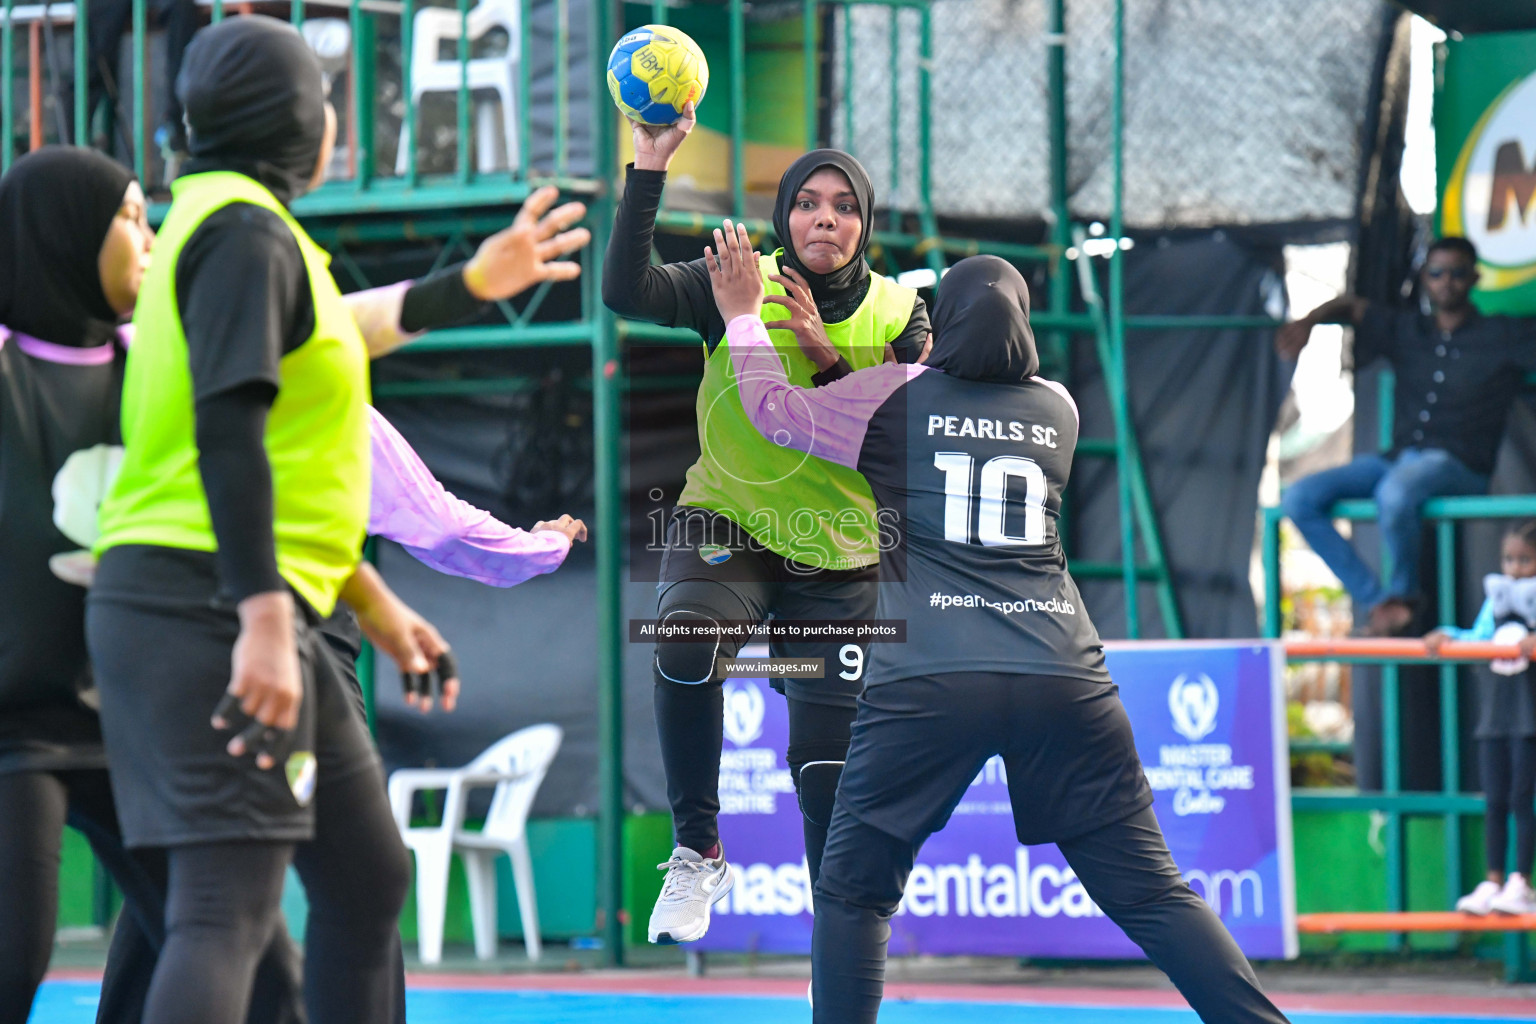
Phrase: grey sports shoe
(693,885)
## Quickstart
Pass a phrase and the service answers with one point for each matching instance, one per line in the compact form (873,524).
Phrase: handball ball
(654,72)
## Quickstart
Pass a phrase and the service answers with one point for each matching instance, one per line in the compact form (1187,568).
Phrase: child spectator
(1506,726)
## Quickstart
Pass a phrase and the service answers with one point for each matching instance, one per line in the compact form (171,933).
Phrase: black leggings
(1508,769)
(35,806)
(1126,869)
(690,720)
(224,906)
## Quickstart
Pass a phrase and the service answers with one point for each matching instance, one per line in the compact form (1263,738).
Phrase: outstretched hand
(733,273)
(528,253)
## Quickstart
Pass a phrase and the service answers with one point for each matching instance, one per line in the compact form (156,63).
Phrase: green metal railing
(362,188)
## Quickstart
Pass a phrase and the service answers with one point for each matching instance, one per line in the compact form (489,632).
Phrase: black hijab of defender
(56,206)
(981,323)
(854,273)
(255,103)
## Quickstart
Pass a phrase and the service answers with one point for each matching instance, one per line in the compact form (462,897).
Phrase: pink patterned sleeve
(412,509)
(830,421)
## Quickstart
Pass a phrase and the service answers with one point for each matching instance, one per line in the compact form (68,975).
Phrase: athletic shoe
(1480,900)
(692,886)
(1517,897)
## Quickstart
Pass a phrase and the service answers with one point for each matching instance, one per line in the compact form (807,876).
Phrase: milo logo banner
(1210,728)
(1485,158)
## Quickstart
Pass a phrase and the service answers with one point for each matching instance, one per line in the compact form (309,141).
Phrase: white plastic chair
(431,73)
(515,765)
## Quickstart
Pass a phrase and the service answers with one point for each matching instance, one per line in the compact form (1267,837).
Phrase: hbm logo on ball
(654,72)
(1193,704)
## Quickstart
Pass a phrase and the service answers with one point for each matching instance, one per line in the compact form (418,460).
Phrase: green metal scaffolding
(371,207)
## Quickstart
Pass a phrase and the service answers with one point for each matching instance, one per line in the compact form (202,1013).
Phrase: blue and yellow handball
(654,72)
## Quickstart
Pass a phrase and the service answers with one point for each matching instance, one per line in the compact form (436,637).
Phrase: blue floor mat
(74,1002)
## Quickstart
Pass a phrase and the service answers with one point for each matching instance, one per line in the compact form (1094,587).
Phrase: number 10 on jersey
(990,498)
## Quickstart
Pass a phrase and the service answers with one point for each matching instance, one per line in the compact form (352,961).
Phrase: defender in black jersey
(972,451)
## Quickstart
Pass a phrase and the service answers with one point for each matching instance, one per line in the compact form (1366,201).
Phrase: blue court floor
(74,1002)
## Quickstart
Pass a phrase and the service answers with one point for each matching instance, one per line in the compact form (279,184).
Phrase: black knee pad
(696,603)
(689,663)
(816,783)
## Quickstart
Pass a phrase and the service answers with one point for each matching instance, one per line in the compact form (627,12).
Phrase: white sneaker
(1480,900)
(1516,897)
(692,886)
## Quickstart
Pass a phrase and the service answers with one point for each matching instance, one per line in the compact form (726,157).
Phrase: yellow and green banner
(1485,156)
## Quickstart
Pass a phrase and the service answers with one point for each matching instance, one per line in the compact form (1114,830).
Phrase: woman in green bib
(234,526)
(760,531)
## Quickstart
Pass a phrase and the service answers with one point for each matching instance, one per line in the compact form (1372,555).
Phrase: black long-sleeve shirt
(679,294)
(1454,388)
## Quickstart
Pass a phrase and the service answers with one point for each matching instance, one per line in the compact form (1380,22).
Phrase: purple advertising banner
(1210,728)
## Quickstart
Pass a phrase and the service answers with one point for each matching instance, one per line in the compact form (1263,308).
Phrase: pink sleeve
(828,422)
(412,509)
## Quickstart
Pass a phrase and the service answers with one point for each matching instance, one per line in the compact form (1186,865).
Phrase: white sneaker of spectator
(1517,897)
(1480,900)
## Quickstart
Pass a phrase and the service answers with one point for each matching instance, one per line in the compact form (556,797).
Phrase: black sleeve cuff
(438,300)
(646,182)
(837,371)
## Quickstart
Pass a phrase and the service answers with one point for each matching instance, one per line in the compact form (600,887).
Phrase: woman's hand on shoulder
(804,319)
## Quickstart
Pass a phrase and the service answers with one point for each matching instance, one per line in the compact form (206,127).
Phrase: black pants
(750,585)
(1066,744)
(35,806)
(1508,769)
(689,719)
(224,908)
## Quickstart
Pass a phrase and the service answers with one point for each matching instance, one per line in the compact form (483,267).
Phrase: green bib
(316,434)
(801,507)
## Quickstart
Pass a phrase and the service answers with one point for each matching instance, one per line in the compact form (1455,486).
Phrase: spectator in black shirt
(1457,373)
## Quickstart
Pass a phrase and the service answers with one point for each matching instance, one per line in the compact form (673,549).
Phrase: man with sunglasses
(1458,372)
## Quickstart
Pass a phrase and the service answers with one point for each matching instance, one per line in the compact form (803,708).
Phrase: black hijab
(981,323)
(856,270)
(56,205)
(255,103)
